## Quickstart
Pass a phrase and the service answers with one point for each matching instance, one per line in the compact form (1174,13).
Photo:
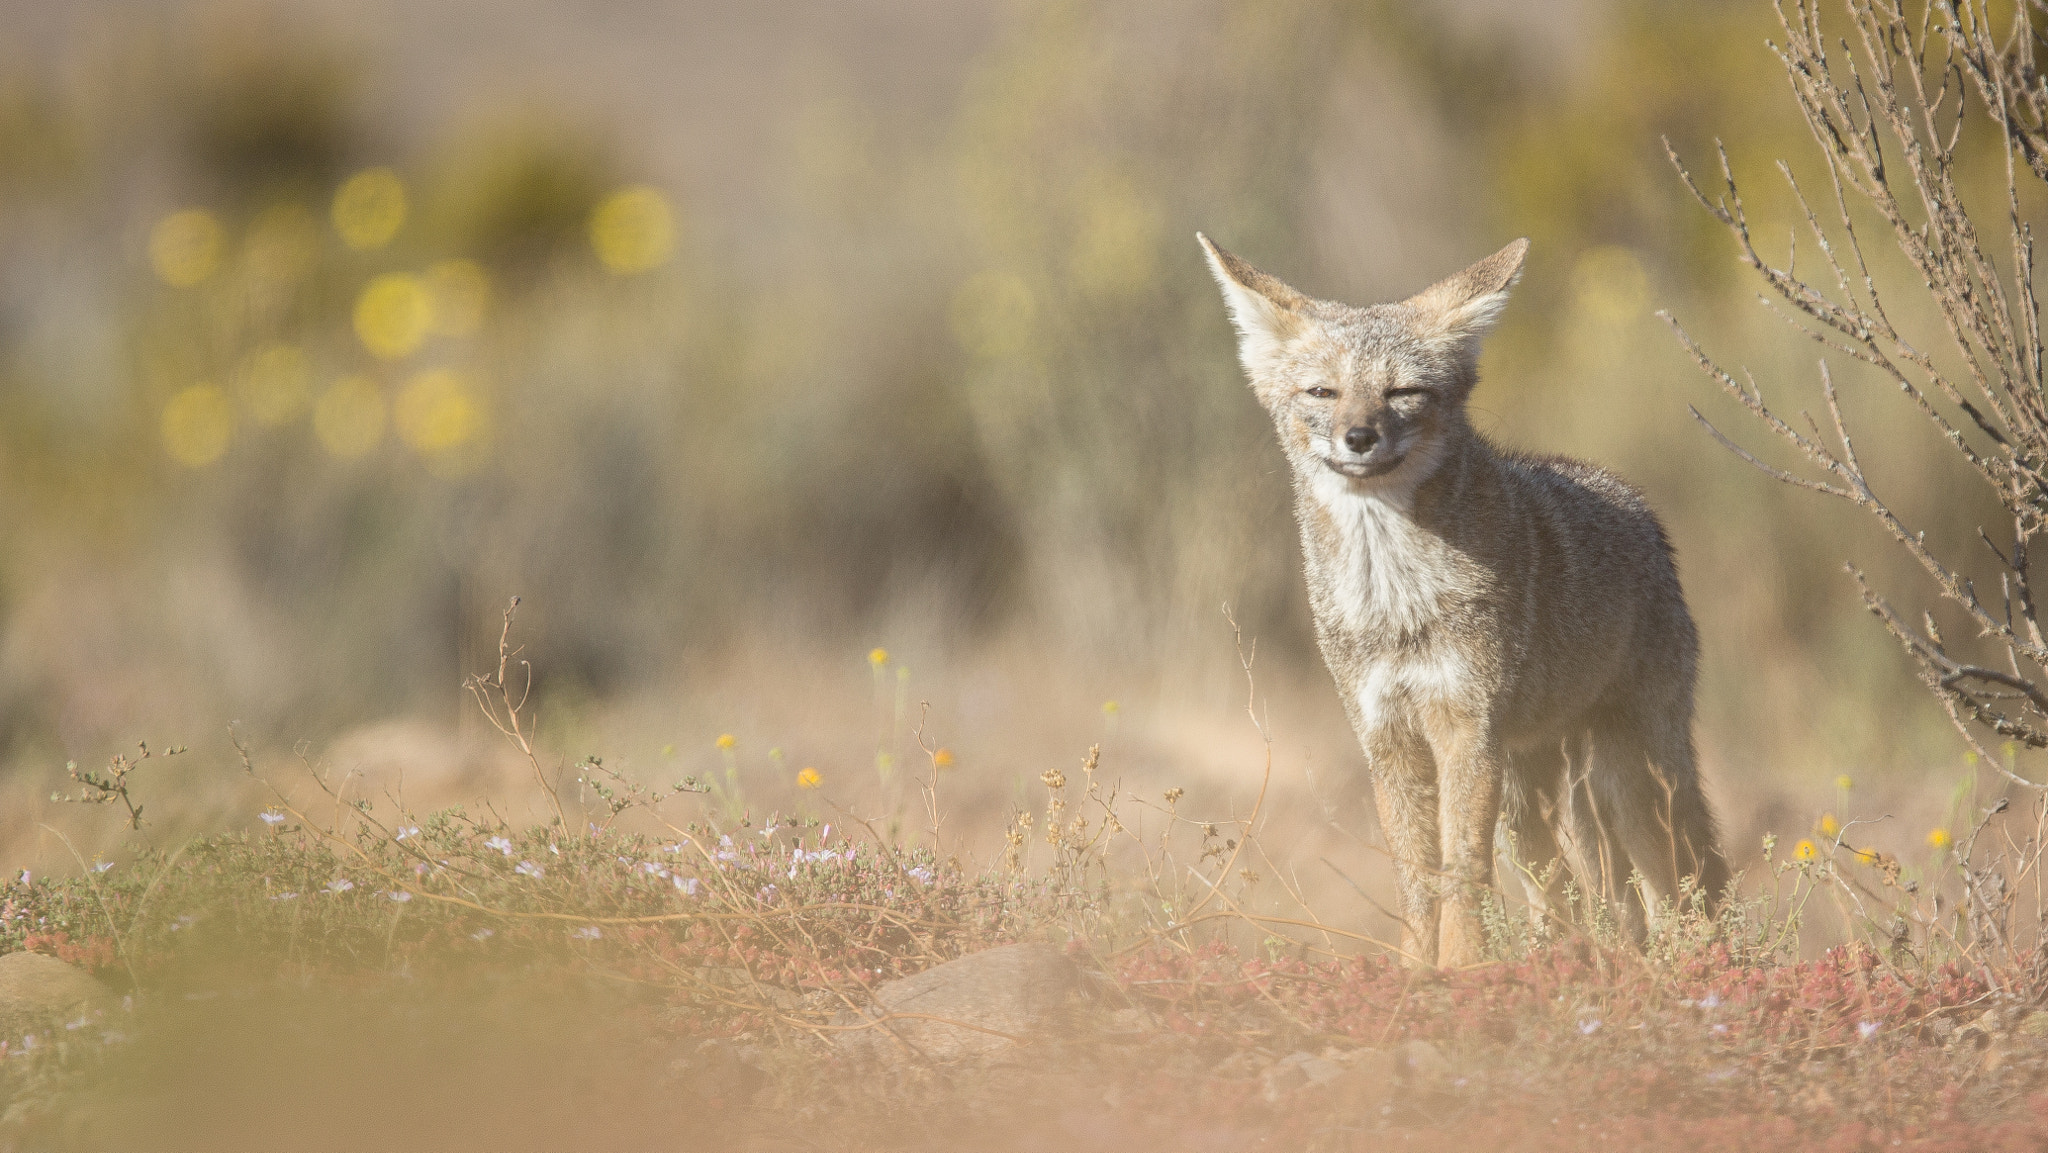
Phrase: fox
(1507,630)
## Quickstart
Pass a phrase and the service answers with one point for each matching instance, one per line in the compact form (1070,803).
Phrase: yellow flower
(727,741)
(809,778)
(1843,782)
(1110,708)
(1939,839)
(436,413)
(878,657)
(1828,825)
(184,247)
(392,315)
(369,209)
(943,758)
(633,230)
(1805,851)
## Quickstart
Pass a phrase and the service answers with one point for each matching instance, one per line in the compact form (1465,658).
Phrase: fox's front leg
(1404,786)
(1470,769)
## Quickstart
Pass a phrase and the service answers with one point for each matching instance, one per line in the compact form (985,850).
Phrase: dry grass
(614,978)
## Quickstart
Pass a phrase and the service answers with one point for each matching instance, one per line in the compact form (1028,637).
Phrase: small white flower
(587,933)
(408,831)
(725,840)
(483,934)
(340,885)
(675,848)
(103,866)
(1710,1001)
(28,1043)
(1865,1030)
(825,834)
(925,875)
(554,850)
(1589,1026)
(1720,1030)
(25,877)
(499,843)
(688,885)
(419,868)
(271,817)
(528,869)
(283,896)
(399,895)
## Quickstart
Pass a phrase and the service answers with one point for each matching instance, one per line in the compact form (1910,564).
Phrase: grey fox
(1507,630)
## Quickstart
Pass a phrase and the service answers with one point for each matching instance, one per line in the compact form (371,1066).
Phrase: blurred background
(801,362)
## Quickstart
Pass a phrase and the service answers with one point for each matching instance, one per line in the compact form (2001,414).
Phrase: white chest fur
(1386,576)
(1398,685)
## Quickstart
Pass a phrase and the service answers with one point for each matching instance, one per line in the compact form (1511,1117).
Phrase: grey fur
(1507,630)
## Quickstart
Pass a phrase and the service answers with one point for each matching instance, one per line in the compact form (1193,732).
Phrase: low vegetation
(625,978)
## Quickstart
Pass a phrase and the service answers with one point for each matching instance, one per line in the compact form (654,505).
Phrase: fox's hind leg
(1647,778)
(1589,828)
(1532,801)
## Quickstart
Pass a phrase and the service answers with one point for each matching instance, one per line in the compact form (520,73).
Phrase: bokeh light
(274,383)
(458,294)
(369,209)
(632,230)
(185,247)
(198,423)
(1113,254)
(436,413)
(349,420)
(993,313)
(1609,285)
(392,315)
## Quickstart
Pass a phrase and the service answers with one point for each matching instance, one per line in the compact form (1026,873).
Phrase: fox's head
(1368,394)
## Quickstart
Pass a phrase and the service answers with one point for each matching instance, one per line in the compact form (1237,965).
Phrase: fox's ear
(1461,307)
(1267,313)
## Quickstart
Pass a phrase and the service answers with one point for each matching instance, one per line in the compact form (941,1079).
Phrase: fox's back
(1576,582)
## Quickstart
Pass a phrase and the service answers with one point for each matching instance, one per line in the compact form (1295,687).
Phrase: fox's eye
(1321,393)
(1410,395)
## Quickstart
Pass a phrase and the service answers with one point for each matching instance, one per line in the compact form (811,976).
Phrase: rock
(1422,1061)
(1296,1071)
(975,1006)
(35,989)
(1280,1079)
(718,1073)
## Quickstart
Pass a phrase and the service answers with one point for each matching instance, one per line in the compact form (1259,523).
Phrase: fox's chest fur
(1374,573)
(1384,589)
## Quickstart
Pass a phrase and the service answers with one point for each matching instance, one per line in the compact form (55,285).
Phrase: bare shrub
(1903,109)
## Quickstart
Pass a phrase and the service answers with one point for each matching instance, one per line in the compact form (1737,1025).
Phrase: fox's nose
(1360,438)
